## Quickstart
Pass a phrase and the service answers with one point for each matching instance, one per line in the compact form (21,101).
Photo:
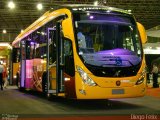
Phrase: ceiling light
(39,6)
(95,3)
(4,31)
(105,1)
(129,11)
(11,5)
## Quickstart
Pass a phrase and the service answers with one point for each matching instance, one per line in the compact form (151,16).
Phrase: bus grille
(114,71)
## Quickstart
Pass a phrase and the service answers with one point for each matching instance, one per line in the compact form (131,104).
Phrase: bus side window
(52,46)
(67,48)
(69,60)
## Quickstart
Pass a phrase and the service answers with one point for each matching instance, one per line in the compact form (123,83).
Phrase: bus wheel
(44,82)
(44,86)
(17,80)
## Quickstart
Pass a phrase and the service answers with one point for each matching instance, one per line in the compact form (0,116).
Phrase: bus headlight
(86,79)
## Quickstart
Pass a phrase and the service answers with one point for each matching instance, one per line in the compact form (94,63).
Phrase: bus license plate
(117,91)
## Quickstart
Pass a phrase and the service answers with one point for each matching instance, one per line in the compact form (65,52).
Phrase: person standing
(155,76)
(1,75)
(4,74)
(81,40)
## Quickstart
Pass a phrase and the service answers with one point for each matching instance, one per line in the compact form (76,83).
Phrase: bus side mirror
(142,32)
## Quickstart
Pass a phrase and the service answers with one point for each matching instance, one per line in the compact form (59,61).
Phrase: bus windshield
(108,41)
(102,37)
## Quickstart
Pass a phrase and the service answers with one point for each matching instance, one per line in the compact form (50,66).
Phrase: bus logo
(118,83)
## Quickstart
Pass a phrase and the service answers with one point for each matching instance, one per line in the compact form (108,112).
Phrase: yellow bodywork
(105,85)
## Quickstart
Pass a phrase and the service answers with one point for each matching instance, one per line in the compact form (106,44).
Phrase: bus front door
(59,59)
(55,60)
(51,61)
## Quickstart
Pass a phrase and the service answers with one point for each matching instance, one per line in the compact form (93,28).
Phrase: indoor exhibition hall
(80,59)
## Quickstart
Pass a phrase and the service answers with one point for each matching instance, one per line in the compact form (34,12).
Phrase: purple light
(29,73)
(31,43)
(91,17)
(22,73)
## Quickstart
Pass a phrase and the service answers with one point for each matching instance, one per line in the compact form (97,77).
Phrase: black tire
(18,80)
(44,82)
(44,86)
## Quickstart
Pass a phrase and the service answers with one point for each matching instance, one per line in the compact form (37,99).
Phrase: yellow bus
(83,52)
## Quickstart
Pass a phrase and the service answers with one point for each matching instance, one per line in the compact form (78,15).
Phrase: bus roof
(72,7)
(87,7)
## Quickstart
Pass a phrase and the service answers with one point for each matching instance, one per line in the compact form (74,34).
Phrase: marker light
(141,78)
(22,30)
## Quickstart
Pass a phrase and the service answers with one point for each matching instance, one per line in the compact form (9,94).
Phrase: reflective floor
(24,105)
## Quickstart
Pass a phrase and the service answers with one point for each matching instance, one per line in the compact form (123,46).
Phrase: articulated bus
(83,52)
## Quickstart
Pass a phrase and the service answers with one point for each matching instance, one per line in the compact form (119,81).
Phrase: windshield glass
(107,40)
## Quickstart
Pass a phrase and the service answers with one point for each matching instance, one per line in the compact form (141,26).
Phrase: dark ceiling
(146,11)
